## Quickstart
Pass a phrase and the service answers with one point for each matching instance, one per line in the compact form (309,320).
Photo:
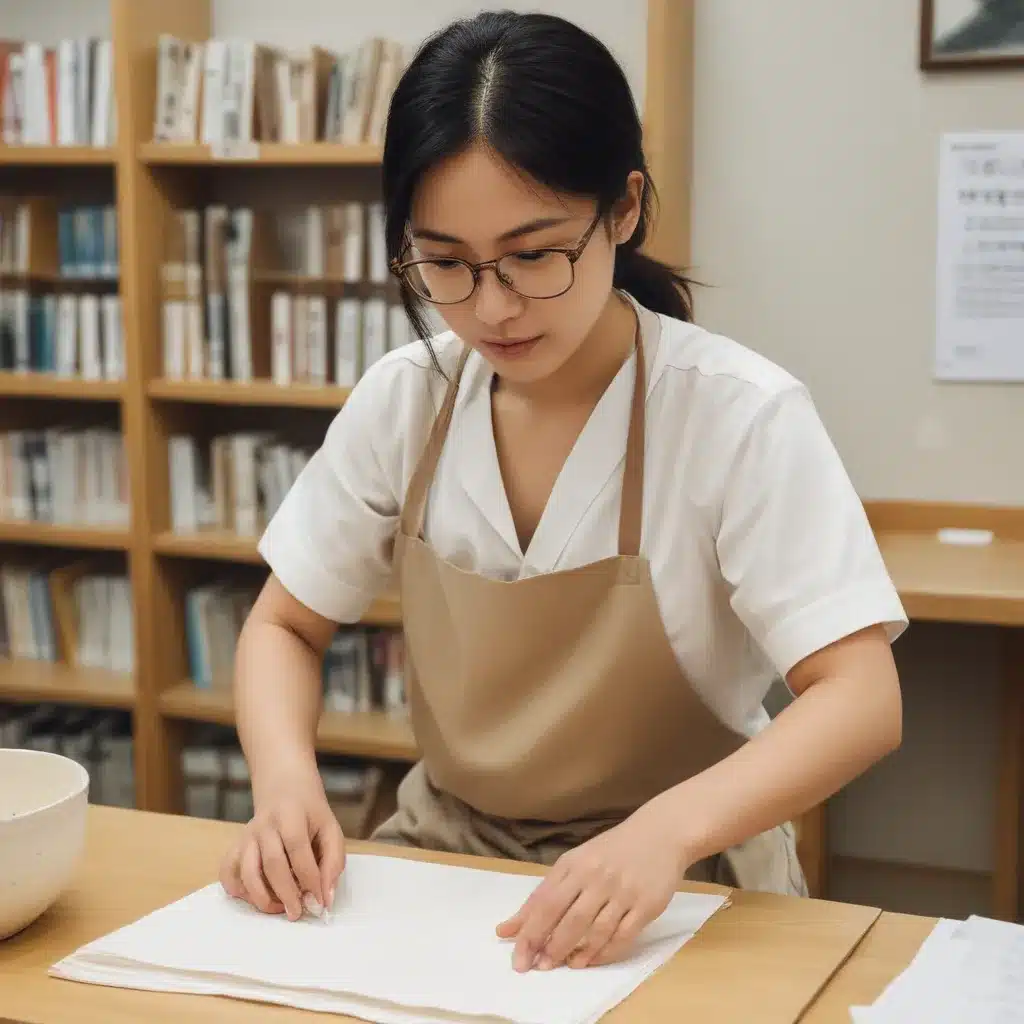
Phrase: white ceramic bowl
(43,802)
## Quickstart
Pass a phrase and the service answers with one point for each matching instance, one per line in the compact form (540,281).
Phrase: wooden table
(764,958)
(940,582)
(884,952)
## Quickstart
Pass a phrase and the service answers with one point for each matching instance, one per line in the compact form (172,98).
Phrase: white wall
(48,21)
(816,141)
(814,218)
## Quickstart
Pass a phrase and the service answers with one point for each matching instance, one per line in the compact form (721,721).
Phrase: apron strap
(632,505)
(411,522)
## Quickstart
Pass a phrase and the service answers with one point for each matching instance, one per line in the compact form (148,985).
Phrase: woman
(611,531)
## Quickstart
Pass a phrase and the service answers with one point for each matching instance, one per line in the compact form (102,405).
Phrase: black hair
(552,101)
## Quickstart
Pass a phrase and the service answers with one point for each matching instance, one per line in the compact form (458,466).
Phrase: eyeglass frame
(572,253)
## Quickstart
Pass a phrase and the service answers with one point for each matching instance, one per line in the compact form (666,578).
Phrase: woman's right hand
(292,847)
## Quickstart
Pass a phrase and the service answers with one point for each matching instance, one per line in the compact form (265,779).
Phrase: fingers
(598,936)
(541,913)
(278,872)
(576,925)
(510,929)
(584,913)
(299,852)
(332,859)
(619,946)
(230,874)
(276,866)
(256,890)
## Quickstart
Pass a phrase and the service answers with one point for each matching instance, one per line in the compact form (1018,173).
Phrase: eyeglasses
(532,273)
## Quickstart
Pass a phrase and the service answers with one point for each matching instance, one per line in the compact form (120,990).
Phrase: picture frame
(966,35)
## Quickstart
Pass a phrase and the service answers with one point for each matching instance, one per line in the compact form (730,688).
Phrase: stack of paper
(966,972)
(408,941)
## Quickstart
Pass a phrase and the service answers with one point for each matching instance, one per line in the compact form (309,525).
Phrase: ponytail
(653,284)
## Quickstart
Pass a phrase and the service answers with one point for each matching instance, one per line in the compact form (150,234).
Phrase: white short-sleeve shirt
(759,546)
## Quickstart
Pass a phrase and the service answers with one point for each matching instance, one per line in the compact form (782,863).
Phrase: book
(60,95)
(233,482)
(64,475)
(71,614)
(40,238)
(261,294)
(229,93)
(69,335)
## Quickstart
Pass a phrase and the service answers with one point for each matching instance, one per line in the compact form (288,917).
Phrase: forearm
(836,729)
(277,700)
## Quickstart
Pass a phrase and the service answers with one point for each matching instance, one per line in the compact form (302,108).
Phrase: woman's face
(476,207)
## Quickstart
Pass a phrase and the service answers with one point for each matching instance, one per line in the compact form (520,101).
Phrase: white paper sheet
(966,972)
(980,270)
(408,941)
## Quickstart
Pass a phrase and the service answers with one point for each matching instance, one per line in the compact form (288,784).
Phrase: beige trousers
(428,818)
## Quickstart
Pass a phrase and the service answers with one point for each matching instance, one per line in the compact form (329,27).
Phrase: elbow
(897,727)
(880,726)
(881,693)
(877,702)
(893,739)
(890,718)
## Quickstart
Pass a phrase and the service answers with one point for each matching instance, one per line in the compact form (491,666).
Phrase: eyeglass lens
(540,274)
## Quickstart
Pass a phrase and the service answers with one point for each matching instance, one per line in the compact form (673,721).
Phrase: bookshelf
(373,734)
(43,385)
(264,154)
(23,681)
(57,156)
(254,393)
(96,538)
(149,181)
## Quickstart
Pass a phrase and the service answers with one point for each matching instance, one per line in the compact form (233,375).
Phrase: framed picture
(962,34)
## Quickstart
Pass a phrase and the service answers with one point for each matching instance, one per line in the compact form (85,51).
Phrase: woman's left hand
(598,897)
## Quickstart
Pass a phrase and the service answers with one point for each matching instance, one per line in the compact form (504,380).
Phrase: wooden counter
(783,950)
(978,585)
(884,952)
(945,583)
(984,585)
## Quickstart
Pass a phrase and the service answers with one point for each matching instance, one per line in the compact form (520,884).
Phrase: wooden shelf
(384,611)
(215,544)
(221,546)
(99,538)
(56,156)
(41,681)
(255,393)
(365,734)
(266,154)
(44,385)
(305,282)
(55,277)
(945,583)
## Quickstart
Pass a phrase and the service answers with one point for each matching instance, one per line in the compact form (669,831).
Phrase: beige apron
(550,708)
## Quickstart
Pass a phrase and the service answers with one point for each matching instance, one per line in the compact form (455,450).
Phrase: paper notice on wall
(980,272)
